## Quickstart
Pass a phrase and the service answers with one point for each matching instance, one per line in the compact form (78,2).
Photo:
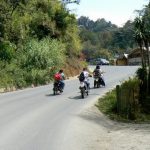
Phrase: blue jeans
(87,84)
(62,84)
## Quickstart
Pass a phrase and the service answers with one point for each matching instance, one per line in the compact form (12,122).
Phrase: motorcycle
(83,89)
(98,82)
(102,82)
(57,88)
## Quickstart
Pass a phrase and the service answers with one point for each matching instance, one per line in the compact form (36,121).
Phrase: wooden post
(118,98)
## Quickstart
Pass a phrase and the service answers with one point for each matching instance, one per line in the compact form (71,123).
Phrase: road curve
(34,119)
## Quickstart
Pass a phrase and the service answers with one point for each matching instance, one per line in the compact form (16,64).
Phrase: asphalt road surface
(34,119)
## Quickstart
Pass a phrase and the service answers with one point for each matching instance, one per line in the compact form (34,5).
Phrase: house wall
(121,62)
(134,58)
(134,61)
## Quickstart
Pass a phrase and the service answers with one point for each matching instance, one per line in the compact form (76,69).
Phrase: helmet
(84,69)
(60,71)
(97,67)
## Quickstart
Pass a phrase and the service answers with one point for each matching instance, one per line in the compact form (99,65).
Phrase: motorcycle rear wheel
(83,93)
(54,90)
(87,92)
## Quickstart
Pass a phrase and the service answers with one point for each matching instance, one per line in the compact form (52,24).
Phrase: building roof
(123,56)
(136,52)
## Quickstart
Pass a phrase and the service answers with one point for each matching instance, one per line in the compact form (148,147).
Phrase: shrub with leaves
(6,51)
(43,54)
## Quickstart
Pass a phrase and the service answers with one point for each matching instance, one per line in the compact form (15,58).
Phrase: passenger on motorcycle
(98,73)
(60,77)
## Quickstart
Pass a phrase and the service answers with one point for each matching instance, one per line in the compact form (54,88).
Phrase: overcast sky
(116,11)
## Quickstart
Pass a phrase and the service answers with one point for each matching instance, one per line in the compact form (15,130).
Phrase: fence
(127,100)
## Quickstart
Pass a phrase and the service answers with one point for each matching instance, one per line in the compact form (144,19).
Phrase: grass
(108,105)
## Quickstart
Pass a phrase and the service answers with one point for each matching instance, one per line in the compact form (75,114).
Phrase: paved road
(34,119)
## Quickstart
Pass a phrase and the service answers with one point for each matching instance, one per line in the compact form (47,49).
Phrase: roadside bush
(37,77)
(43,54)
(141,73)
(6,51)
(32,65)
(19,78)
(128,98)
(12,75)
(5,81)
(144,96)
(131,83)
(108,103)
(122,102)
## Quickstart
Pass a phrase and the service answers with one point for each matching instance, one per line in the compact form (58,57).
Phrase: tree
(139,37)
(24,26)
(146,20)
(103,34)
(142,36)
(71,1)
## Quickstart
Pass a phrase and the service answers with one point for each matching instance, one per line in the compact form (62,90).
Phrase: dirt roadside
(94,131)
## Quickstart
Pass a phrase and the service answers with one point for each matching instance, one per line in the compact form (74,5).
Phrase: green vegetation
(39,37)
(36,39)
(142,37)
(101,38)
(104,39)
(128,98)
(133,96)
(108,105)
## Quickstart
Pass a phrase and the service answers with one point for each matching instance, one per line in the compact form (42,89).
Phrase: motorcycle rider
(60,77)
(98,73)
(62,84)
(85,78)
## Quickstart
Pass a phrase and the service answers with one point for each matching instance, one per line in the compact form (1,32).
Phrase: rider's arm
(63,76)
(89,75)
(100,70)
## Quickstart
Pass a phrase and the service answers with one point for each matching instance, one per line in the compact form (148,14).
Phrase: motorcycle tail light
(81,84)
(96,79)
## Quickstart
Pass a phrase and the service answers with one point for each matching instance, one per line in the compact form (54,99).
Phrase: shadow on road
(50,95)
(76,97)
(92,88)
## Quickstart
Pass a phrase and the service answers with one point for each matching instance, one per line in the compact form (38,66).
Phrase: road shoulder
(93,131)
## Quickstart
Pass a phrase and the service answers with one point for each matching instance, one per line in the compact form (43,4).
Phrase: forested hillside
(101,38)
(35,36)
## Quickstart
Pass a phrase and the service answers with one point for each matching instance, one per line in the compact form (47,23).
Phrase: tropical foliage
(142,37)
(35,36)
